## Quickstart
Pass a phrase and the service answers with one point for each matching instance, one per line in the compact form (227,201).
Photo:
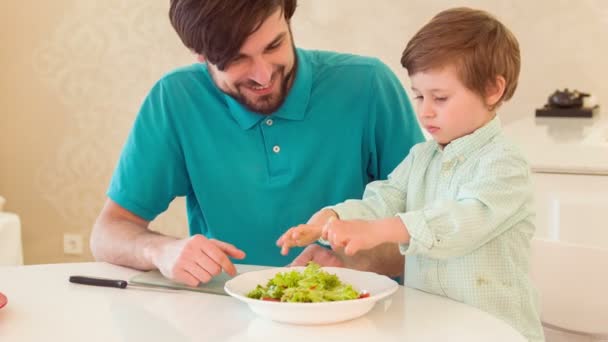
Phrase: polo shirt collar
(295,105)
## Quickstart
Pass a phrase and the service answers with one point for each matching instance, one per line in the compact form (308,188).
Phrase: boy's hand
(352,235)
(357,235)
(301,235)
(305,234)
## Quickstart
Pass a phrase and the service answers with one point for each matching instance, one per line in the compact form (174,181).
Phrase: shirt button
(269,122)
(276,149)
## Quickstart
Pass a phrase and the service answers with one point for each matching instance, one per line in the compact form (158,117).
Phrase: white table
(44,306)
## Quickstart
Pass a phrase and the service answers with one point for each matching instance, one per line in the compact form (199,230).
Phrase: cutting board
(215,286)
(156,279)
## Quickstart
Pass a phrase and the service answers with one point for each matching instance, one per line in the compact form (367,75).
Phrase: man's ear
(201,58)
(495,90)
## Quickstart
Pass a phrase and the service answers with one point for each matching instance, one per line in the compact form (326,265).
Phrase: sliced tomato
(270,299)
(364,295)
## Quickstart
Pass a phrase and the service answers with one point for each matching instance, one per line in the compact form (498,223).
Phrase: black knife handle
(121,284)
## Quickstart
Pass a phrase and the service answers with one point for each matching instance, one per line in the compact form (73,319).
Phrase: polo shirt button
(269,122)
(276,149)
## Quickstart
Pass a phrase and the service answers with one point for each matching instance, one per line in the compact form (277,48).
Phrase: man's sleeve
(151,170)
(394,129)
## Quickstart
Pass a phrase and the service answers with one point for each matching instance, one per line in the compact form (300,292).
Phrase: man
(254,137)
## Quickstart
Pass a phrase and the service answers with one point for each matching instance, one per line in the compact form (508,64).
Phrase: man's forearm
(125,243)
(384,259)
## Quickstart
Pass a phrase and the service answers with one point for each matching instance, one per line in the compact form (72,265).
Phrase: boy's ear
(495,90)
(201,58)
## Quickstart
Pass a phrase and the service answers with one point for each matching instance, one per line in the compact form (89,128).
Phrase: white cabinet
(572,208)
(569,159)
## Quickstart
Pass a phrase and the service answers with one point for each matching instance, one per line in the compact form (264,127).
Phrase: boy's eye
(441,99)
(418,98)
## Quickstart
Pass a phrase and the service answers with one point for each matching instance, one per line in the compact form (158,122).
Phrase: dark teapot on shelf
(567,99)
(566,103)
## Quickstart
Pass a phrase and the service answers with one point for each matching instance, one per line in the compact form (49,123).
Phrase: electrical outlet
(72,244)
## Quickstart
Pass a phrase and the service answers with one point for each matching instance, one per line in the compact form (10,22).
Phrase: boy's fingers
(325,231)
(301,235)
(337,239)
(284,237)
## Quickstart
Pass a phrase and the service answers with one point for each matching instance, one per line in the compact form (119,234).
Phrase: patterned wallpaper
(75,73)
(100,61)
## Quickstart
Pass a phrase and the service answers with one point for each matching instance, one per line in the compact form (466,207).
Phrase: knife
(116,283)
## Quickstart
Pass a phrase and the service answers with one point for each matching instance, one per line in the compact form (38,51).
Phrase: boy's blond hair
(479,45)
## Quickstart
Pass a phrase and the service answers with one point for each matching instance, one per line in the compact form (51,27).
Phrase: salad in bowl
(311,294)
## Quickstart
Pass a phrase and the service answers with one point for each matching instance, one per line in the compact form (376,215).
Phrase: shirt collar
(295,105)
(462,147)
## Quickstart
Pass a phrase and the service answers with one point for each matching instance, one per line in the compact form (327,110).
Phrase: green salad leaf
(312,285)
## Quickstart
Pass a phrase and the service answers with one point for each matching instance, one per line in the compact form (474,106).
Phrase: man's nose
(261,71)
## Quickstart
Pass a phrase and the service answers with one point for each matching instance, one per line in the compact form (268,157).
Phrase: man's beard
(267,104)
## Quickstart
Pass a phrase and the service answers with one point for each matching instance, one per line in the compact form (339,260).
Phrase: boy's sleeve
(151,171)
(382,198)
(394,129)
(497,198)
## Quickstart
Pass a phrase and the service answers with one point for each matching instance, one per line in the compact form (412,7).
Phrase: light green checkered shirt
(469,211)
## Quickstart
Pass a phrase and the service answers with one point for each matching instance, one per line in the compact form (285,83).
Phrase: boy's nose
(426,110)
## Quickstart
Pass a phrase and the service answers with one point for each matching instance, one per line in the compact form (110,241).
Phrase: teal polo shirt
(249,177)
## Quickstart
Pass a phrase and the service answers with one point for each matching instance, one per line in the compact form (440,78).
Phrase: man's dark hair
(216,29)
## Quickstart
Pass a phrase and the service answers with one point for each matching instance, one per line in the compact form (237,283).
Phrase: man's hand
(196,259)
(319,255)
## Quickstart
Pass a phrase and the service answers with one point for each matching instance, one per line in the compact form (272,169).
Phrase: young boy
(460,205)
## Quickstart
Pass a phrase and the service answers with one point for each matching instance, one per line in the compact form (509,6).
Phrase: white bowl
(378,286)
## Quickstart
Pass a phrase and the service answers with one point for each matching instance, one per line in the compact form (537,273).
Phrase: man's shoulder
(190,73)
(332,58)
(186,86)
(329,61)
(181,82)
